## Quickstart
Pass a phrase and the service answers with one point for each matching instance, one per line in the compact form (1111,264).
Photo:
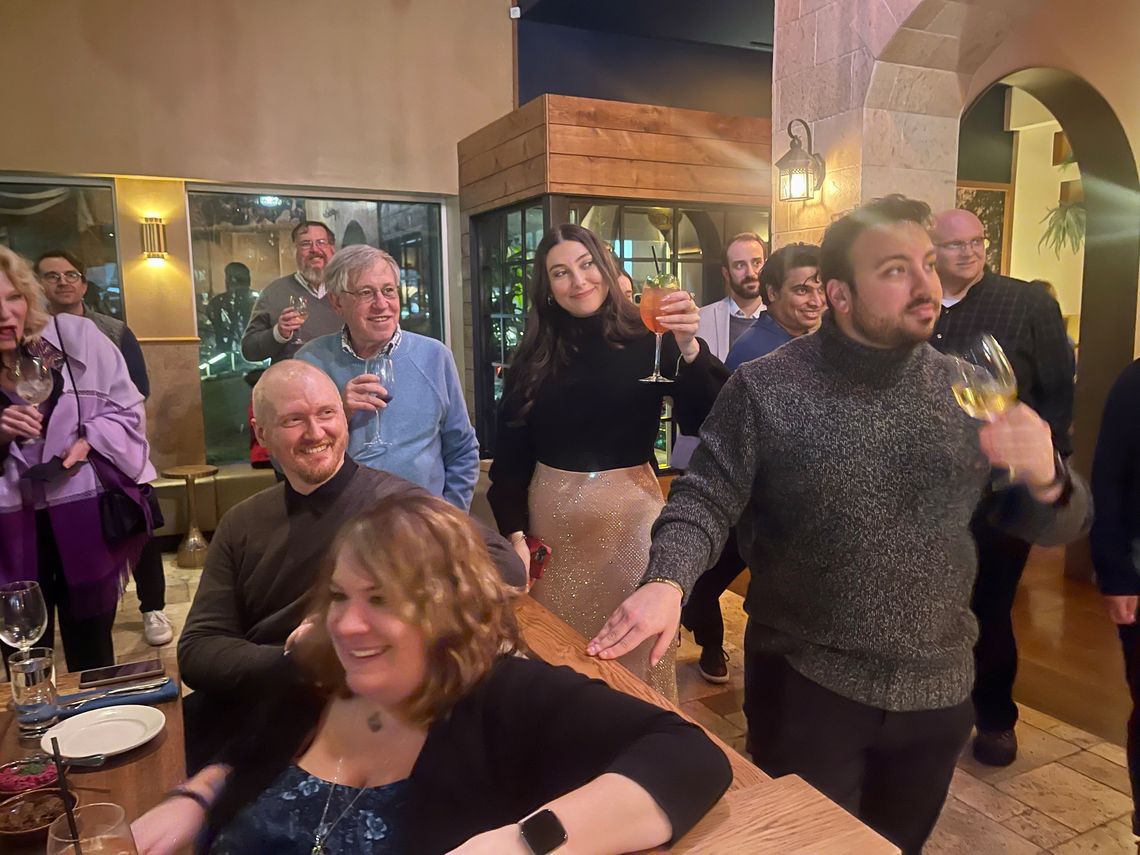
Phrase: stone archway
(882,83)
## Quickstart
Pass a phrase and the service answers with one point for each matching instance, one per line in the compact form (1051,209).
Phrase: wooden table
(758,815)
(136,780)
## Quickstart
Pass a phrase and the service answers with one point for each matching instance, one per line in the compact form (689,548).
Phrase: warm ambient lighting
(801,172)
(154,238)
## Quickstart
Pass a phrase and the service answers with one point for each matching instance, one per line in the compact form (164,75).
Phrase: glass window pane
(602,220)
(241,242)
(78,219)
(691,276)
(514,235)
(645,231)
(688,240)
(534,229)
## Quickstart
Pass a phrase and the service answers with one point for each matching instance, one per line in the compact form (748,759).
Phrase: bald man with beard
(266,552)
(1027,323)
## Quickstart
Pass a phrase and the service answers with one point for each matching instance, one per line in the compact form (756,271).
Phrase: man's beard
(739,288)
(313,275)
(886,334)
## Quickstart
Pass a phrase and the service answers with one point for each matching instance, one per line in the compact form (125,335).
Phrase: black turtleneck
(594,414)
(854,476)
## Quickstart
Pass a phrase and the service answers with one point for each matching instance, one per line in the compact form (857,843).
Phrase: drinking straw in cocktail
(656,266)
(66,793)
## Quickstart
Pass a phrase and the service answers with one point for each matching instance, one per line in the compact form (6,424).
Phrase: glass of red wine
(382,368)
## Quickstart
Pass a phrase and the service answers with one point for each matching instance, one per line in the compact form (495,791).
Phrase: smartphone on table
(125,672)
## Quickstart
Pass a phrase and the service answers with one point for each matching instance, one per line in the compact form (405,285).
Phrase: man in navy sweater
(1115,537)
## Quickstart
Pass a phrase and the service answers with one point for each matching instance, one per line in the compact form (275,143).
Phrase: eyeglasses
(959,246)
(369,295)
(306,245)
(69,276)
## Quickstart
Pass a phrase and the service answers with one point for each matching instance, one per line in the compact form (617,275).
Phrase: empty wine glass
(384,370)
(23,614)
(300,304)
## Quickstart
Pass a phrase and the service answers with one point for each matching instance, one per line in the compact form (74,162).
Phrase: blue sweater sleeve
(459,446)
(1115,536)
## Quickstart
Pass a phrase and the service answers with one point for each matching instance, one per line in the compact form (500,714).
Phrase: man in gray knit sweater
(854,475)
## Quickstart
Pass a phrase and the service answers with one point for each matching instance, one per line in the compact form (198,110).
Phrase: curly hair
(434,570)
(20,274)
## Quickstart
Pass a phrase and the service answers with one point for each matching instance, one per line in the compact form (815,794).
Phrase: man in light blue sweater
(428,437)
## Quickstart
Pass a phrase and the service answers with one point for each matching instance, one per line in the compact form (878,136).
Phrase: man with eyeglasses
(65,285)
(277,329)
(1028,325)
(415,426)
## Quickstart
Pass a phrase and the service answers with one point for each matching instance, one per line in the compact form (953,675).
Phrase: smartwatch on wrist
(542,832)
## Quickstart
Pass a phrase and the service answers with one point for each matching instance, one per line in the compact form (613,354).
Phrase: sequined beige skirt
(597,525)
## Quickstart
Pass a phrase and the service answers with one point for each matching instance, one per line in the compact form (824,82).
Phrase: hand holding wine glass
(33,382)
(382,368)
(984,384)
(653,293)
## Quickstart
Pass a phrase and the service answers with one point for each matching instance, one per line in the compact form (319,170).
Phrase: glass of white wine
(34,382)
(301,305)
(985,385)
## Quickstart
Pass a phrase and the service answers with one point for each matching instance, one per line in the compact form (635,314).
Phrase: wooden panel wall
(641,151)
(587,147)
(505,161)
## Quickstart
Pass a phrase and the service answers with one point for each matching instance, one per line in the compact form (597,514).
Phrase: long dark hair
(545,347)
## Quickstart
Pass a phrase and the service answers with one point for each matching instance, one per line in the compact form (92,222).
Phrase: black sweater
(528,733)
(595,414)
(262,562)
(854,476)
(1115,536)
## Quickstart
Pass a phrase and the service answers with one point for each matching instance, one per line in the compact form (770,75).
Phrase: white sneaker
(157,629)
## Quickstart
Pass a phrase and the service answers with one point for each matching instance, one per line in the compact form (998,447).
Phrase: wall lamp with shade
(154,238)
(801,171)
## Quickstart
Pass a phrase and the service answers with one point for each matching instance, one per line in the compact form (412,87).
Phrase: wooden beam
(661,148)
(649,118)
(503,156)
(665,177)
(696,197)
(502,184)
(516,123)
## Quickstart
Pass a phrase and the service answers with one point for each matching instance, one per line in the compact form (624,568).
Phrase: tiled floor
(1067,794)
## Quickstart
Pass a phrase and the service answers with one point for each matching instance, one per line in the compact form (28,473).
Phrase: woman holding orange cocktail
(577,426)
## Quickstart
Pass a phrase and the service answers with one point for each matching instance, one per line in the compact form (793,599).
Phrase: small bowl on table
(30,773)
(25,818)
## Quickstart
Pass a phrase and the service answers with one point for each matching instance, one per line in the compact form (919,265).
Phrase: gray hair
(347,265)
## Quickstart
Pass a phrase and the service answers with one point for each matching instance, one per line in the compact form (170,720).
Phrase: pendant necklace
(322,833)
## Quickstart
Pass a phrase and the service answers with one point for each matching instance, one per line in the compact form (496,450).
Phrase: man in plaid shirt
(1027,323)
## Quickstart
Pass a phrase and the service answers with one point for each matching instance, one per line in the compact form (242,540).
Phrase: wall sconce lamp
(154,237)
(801,172)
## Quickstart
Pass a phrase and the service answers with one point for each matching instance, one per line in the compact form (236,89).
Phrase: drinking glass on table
(103,830)
(34,382)
(985,385)
(23,614)
(382,367)
(33,691)
(653,292)
(300,304)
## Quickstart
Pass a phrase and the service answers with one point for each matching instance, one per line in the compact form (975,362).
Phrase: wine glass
(300,304)
(655,289)
(103,830)
(23,614)
(34,382)
(384,370)
(985,385)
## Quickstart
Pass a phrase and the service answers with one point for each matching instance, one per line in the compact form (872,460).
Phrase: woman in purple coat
(50,526)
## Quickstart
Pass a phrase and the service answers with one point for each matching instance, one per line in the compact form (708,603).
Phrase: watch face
(543,832)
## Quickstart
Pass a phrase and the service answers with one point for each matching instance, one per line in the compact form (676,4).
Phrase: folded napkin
(168,691)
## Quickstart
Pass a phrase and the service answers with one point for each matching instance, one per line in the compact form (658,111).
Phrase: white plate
(108,731)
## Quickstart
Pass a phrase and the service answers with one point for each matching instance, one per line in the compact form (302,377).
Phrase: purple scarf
(115,426)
